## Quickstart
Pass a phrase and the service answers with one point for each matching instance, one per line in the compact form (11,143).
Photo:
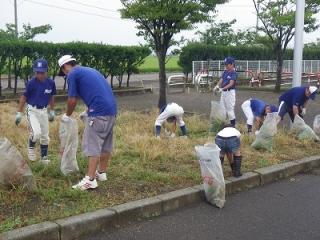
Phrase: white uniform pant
(38,125)
(228,102)
(246,108)
(172,110)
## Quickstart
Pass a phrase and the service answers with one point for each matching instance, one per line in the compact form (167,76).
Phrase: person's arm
(22,103)
(230,85)
(219,83)
(258,123)
(52,103)
(71,105)
(295,110)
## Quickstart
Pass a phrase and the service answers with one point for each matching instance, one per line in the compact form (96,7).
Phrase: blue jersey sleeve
(72,85)
(27,90)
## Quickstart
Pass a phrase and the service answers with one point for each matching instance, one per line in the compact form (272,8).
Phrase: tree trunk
(0,86)
(15,69)
(162,78)
(128,79)
(9,75)
(111,81)
(279,69)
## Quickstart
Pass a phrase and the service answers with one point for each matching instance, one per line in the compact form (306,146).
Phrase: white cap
(65,59)
(313,89)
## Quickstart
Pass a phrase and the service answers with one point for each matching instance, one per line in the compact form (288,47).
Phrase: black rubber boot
(237,166)
(222,161)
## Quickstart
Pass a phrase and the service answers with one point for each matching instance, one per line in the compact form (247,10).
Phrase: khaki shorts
(98,136)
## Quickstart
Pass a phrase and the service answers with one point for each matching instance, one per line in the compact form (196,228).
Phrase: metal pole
(16,17)
(298,43)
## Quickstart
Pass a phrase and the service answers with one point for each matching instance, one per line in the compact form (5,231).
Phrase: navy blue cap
(273,108)
(229,60)
(40,65)
(313,96)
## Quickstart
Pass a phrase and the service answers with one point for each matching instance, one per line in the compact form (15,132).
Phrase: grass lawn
(142,166)
(151,65)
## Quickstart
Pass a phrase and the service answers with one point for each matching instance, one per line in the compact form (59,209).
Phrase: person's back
(93,88)
(293,96)
(258,107)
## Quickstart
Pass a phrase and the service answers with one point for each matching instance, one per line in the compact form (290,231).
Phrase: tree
(223,34)
(158,22)
(278,24)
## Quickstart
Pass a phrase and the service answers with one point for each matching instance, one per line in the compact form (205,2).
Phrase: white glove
(51,115)
(65,118)
(217,89)
(83,115)
(257,132)
(304,111)
(18,118)
(173,135)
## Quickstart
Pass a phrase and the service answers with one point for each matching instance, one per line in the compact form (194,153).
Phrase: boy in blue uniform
(39,94)
(90,85)
(294,101)
(255,111)
(227,87)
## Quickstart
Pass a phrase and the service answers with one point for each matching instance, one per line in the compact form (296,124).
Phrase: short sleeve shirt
(258,107)
(294,97)
(227,76)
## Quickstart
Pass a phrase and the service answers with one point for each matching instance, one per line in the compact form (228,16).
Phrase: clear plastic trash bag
(302,130)
(212,174)
(218,117)
(14,170)
(68,133)
(264,139)
(316,125)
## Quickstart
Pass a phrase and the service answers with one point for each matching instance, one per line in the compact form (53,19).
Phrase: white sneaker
(45,160)
(86,184)
(101,176)
(32,154)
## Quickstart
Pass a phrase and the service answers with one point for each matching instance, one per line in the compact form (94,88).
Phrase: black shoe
(237,166)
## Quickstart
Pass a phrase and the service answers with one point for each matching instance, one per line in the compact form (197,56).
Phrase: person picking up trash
(294,101)
(255,111)
(90,85)
(39,94)
(228,140)
(171,113)
(227,87)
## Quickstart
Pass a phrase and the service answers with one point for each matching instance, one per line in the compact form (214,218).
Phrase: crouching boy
(228,140)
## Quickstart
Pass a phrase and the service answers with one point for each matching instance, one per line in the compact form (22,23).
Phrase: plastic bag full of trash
(212,174)
(302,130)
(14,170)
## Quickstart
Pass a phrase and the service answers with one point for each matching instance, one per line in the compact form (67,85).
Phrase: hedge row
(203,52)
(16,58)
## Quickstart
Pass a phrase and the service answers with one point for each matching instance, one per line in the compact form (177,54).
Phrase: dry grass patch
(142,166)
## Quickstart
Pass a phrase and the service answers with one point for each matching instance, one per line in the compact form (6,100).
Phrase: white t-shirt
(229,132)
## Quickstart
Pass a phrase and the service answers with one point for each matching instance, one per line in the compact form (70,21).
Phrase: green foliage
(110,60)
(222,33)
(203,52)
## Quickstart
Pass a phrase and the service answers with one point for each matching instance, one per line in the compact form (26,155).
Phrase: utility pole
(16,17)
(298,43)
(258,12)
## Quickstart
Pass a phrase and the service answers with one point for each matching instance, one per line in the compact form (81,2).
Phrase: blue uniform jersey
(294,97)
(93,88)
(39,93)
(227,76)
(258,107)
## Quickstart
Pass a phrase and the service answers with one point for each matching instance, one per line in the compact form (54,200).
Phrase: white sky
(73,26)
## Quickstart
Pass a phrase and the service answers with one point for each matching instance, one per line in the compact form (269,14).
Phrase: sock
(249,128)
(158,130)
(183,130)
(32,144)
(44,150)
(233,122)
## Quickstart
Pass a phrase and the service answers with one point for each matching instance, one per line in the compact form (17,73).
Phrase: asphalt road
(200,102)
(286,210)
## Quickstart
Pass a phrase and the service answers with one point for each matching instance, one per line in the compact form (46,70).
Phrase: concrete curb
(86,224)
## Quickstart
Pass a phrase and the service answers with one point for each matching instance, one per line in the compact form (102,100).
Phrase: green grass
(151,65)
(142,166)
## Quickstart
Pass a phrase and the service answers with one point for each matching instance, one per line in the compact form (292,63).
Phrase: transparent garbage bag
(316,125)
(264,139)
(14,170)
(68,133)
(212,174)
(218,117)
(302,130)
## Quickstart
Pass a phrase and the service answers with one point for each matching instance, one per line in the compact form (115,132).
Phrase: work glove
(257,132)
(51,115)
(18,118)
(303,111)
(173,135)
(216,88)
(65,118)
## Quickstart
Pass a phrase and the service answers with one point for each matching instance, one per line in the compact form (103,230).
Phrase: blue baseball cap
(40,65)
(229,60)
(273,108)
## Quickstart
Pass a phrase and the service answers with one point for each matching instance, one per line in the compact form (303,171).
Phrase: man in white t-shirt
(228,140)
